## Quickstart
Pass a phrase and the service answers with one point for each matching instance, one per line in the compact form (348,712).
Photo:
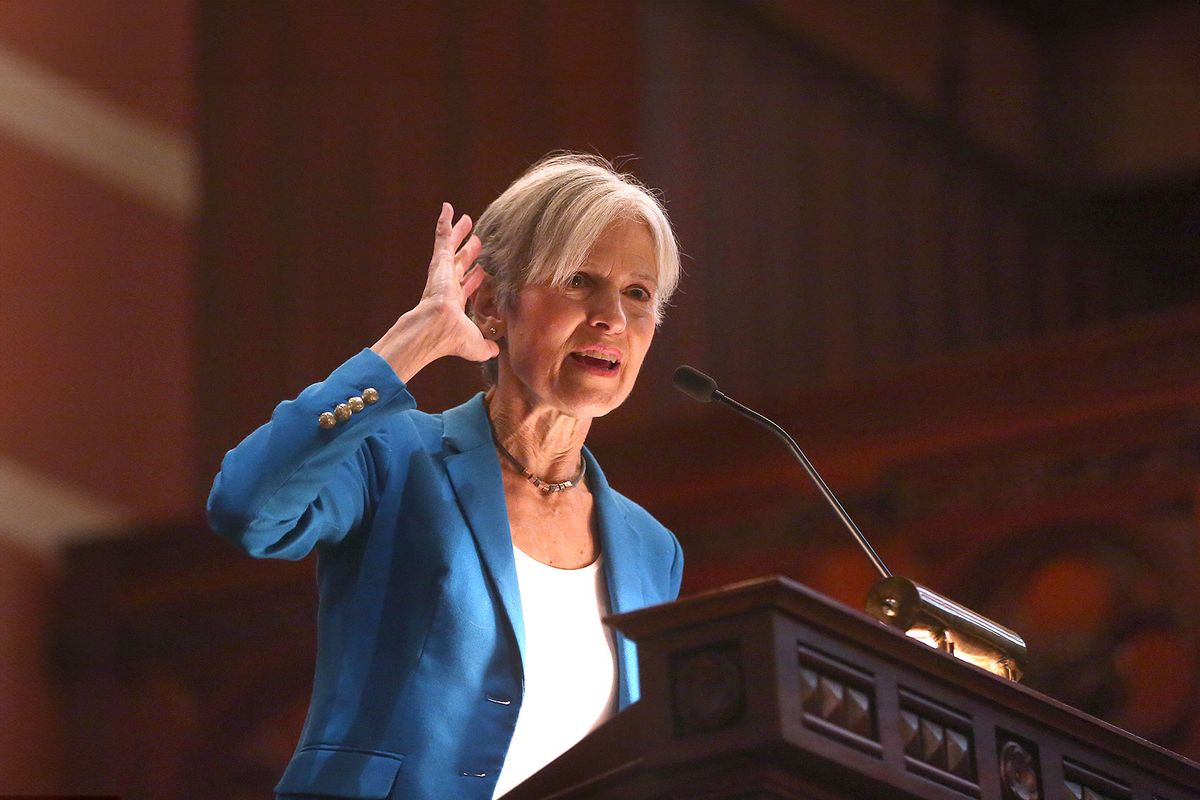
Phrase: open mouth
(607,363)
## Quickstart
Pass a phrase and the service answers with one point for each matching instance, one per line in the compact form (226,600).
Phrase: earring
(492,330)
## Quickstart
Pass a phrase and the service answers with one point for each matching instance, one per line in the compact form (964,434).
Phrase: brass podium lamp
(951,627)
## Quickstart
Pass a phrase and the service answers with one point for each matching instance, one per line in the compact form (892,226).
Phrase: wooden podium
(767,689)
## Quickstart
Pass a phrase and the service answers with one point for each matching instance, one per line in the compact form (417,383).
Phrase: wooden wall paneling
(994,273)
(788,171)
(295,91)
(29,705)
(895,247)
(834,240)
(1076,247)
(496,100)
(741,276)
(896,241)
(234,306)
(673,121)
(324,79)
(960,308)
(856,272)
(422,124)
(1053,280)
(964,401)
(923,219)
(963,272)
(882,292)
(172,649)
(594,93)
(263,698)
(500,120)
(1095,269)
(806,275)
(782,196)
(411,150)
(682,131)
(1008,244)
(677,129)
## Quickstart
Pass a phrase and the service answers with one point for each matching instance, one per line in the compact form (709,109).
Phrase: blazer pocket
(340,772)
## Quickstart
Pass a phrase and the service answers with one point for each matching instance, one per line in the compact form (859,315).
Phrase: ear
(485,310)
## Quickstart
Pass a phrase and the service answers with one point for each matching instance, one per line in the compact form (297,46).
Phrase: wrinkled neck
(546,441)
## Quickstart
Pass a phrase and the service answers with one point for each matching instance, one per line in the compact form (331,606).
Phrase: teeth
(609,359)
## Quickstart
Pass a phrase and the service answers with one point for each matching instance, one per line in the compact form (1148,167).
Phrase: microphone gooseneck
(903,604)
(698,386)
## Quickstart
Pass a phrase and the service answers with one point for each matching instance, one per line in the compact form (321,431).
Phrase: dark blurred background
(953,245)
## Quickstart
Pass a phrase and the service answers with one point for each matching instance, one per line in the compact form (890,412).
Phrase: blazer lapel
(475,475)
(621,549)
(620,545)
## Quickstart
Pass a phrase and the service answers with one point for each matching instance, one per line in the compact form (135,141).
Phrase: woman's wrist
(412,343)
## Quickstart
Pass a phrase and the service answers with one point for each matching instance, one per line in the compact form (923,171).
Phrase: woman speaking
(466,558)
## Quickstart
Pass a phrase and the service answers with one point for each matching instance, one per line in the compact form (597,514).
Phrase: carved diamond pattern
(857,708)
(958,754)
(808,685)
(930,742)
(829,699)
(909,728)
(837,703)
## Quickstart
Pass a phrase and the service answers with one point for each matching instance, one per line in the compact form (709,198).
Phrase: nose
(607,312)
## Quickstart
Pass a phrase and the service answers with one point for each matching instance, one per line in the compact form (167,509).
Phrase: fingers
(485,349)
(443,223)
(468,253)
(460,231)
(448,238)
(472,281)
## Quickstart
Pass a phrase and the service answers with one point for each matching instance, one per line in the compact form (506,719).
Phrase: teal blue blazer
(420,640)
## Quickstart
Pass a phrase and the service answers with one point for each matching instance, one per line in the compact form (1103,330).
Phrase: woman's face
(578,348)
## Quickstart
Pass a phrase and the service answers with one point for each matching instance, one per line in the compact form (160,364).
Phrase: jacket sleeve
(291,484)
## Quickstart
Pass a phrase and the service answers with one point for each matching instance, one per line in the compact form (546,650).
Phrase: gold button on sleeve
(370,395)
(356,404)
(327,420)
(342,412)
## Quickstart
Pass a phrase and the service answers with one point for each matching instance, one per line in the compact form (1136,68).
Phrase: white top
(570,665)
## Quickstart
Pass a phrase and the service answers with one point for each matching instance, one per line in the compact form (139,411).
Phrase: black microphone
(695,384)
(698,386)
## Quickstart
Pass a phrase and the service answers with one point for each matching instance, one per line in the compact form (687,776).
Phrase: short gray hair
(542,227)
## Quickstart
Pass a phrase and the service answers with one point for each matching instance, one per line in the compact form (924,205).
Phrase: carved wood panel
(186,666)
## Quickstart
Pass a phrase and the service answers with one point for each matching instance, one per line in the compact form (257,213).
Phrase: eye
(639,293)
(577,281)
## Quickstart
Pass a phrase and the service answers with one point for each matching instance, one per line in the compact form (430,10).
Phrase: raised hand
(439,325)
(454,276)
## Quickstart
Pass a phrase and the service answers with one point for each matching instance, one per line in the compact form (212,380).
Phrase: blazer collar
(620,546)
(475,474)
